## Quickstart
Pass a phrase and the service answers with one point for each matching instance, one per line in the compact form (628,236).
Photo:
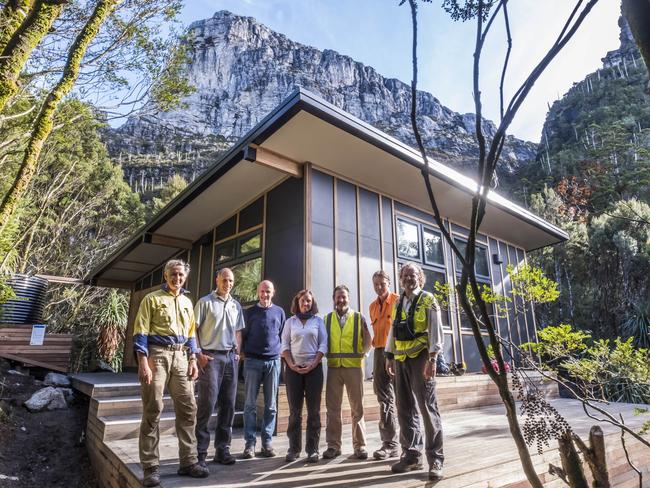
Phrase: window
(482,270)
(423,245)
(432,247)
(408,240)
(481,266)
(243,256)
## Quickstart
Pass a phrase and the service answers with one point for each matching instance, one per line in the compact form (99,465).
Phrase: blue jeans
(266,373)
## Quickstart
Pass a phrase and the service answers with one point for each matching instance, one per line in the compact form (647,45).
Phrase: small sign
(38,335)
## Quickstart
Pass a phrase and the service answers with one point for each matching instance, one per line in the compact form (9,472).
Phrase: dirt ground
(44,449)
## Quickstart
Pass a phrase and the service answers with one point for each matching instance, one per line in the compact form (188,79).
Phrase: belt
(217,351)
(170,347)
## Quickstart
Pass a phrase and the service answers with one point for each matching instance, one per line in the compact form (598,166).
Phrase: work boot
(223,456)
(249,452)
(291,456)
(202,458)
(331,453)
(268,451)
(385,453)
(194,471)
(151,476)
(312,458)
(435,470)
(361,453)
(406,464)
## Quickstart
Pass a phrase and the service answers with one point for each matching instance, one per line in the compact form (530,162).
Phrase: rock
(68,394)
(4,477)
(14,372)
(47,398)
(56,379)
(104,366)
(241,70)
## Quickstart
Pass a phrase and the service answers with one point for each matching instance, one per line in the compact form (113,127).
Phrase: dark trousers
(217,387)
(300,387)
(384,388)
(416,398)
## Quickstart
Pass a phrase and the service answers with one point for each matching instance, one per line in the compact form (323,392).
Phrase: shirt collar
(218,297)
(183,291)
(416,292)
(259,304)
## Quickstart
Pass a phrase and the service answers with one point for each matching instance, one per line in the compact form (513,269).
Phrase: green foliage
(77,210)
(637,325)
(530,284)
(111,317)
(608,370)
(174,186)
(557,342)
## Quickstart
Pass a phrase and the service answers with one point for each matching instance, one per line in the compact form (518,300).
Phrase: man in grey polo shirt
(220,323)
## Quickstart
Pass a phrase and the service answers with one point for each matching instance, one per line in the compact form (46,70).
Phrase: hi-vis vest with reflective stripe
(345,344)
(412,348)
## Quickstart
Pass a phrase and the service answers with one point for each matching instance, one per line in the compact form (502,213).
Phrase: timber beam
(271,159)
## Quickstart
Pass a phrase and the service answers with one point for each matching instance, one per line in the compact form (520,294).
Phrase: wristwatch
(192,358)
(432,358)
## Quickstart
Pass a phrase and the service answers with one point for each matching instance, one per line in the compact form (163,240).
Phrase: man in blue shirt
(261,347)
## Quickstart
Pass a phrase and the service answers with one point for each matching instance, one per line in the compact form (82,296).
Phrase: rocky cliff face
(242,70)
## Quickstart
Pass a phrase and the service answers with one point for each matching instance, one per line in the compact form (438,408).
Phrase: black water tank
(28,307)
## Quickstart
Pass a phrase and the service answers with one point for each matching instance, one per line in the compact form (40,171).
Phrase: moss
(45,119)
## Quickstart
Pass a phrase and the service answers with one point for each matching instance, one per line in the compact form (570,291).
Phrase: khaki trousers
(169,370)
(352,379)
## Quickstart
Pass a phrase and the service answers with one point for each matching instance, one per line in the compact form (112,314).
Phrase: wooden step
(118,427)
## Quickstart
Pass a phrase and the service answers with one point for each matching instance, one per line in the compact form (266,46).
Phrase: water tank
(27,307)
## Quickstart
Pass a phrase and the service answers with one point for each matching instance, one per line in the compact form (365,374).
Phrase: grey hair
(422,279)
(172,263)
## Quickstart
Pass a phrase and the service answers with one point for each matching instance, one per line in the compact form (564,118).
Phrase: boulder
(56,379)
(47,398)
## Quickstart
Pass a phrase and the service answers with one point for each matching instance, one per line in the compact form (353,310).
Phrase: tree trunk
(571,463)
(595,455)
(11,17)
(637,14)
(44,121)
(22,43)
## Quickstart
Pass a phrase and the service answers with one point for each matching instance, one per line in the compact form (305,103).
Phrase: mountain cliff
(242,70)
(596,139)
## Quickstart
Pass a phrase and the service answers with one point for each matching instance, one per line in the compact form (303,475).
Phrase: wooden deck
(53,354)
(479,453)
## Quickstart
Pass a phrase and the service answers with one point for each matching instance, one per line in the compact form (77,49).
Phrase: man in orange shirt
(380,316)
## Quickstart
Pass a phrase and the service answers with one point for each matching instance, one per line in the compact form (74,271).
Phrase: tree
(23,40)
(45,120)
(174,186)
(485,13)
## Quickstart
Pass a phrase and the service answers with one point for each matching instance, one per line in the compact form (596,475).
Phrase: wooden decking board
(467,463)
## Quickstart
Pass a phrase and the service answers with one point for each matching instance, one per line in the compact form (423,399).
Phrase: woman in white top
(304,343)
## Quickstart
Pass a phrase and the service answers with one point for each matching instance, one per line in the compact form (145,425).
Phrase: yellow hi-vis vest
(411,348)
(345,344)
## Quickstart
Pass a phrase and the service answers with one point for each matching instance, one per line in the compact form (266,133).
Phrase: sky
(378,33)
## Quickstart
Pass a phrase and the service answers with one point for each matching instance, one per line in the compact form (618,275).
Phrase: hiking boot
(313,457)
(202,458)
(385,453)
(151,476)
(224,457)
(331,453)
(249,452)
(291,456)
(361,453)
(194,471)
(435,470)
(406,464)
(268,452)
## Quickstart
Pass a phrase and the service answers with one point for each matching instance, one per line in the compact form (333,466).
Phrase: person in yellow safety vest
(414,341)
(348,341)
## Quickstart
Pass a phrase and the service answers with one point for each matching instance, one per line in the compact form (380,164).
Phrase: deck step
(116,427)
